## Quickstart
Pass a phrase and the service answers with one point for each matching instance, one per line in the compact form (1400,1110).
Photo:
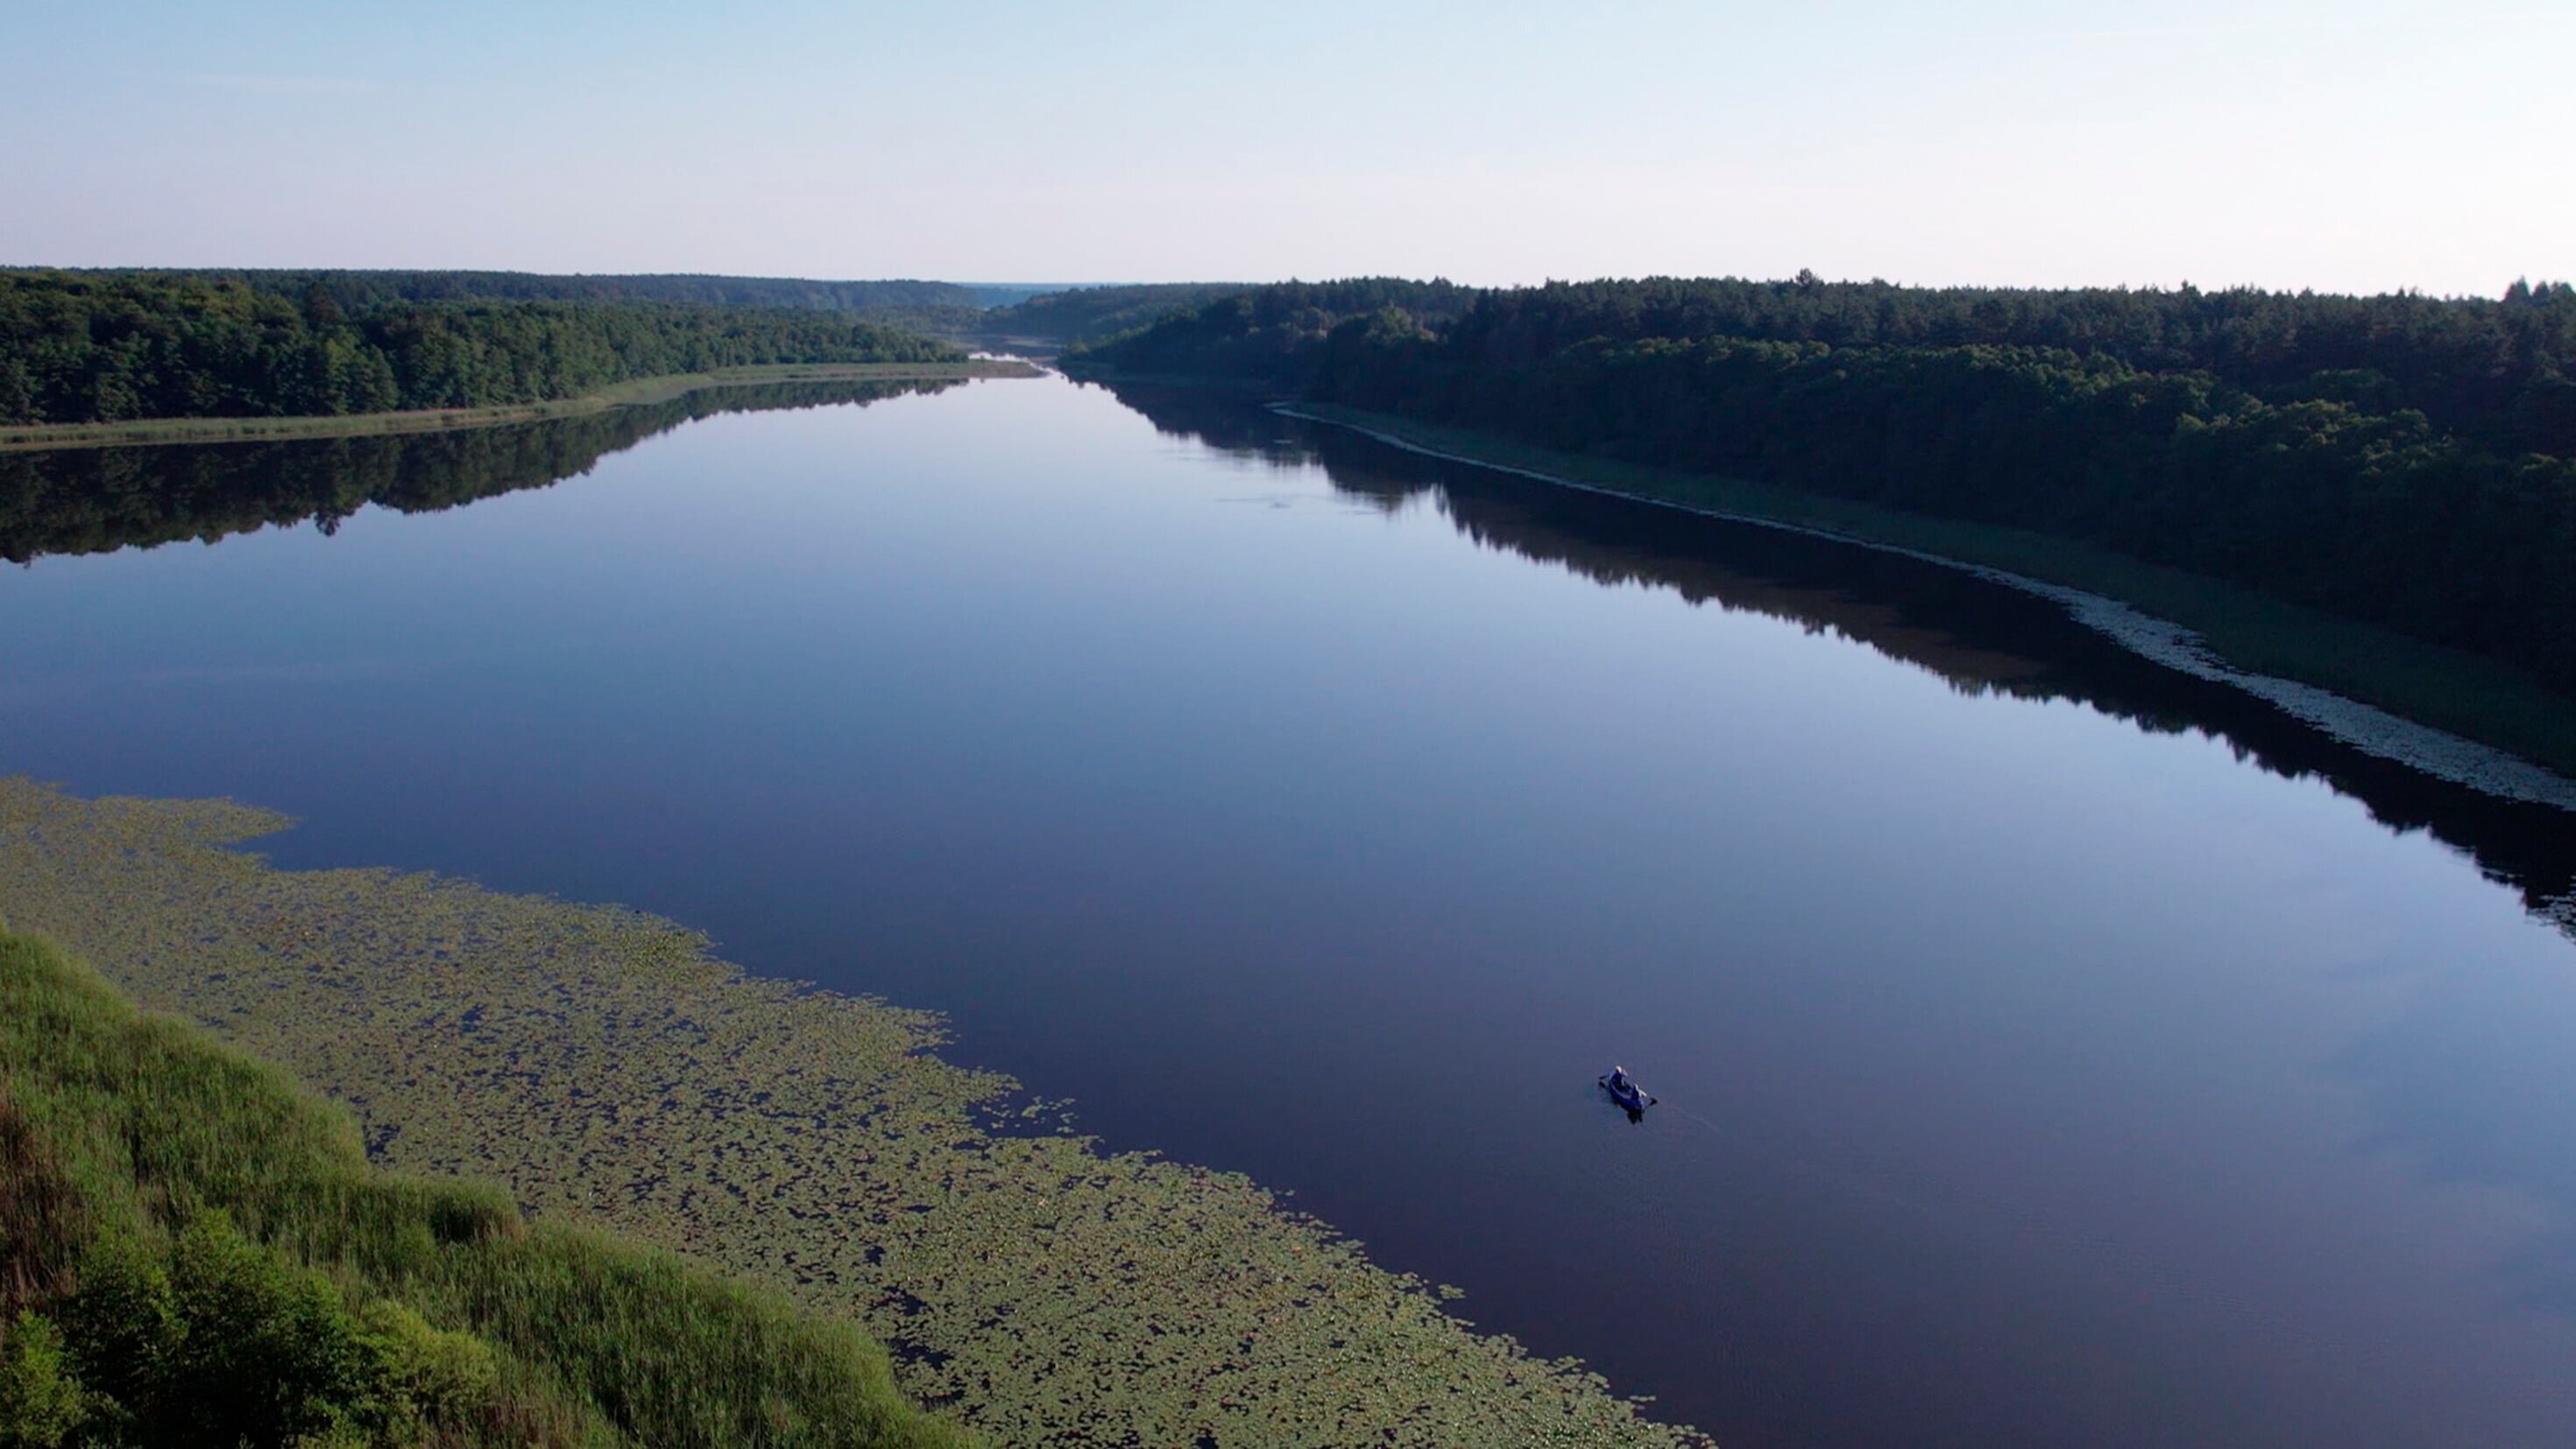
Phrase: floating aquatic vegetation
(601,1065)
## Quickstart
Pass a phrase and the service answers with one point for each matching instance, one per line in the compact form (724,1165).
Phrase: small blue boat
(1625,1093)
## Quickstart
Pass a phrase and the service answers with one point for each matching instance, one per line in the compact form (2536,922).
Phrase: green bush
(41,1400)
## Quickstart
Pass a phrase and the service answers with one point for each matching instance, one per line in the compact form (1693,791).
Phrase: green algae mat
(602,1066)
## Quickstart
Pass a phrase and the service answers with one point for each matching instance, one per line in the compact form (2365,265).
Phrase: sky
(2352,146)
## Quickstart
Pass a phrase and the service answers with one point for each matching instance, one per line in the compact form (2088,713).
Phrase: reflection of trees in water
(1980,636)
(97,500)
(2465,1086)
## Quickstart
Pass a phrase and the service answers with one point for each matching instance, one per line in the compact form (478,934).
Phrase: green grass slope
(195,1251)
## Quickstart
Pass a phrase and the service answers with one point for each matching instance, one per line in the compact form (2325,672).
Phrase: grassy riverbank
(601,1067)
(32,437)
(194,1250)
(2468,695)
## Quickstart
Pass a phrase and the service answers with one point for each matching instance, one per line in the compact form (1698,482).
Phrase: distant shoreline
(150,432)
(2461,718)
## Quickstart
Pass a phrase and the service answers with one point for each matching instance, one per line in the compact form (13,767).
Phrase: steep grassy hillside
(194,1251)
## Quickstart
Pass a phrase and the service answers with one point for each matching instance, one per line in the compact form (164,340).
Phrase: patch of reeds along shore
(194,1251)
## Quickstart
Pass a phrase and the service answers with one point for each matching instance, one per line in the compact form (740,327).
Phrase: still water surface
(2055,1050)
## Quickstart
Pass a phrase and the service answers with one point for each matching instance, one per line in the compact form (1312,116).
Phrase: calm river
(2054,1050)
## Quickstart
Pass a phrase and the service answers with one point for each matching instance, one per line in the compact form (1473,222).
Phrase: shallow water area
(2053,1047)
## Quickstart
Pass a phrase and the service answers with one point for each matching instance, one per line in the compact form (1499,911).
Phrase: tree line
(2401,459)
(1082,315)
(948,309)
(2500,369)
(111,347)
(1272,336)
(359,290)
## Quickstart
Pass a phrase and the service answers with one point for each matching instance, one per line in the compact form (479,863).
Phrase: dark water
(2055,1050)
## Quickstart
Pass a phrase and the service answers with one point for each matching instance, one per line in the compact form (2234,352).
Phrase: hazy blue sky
(2348,145)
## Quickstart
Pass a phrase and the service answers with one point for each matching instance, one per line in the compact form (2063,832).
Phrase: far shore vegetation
(603,1070)
(122,347)
(634,393)
(2376,495)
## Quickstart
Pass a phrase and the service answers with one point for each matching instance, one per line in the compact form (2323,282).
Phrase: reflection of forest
(98,500)
(1980,636)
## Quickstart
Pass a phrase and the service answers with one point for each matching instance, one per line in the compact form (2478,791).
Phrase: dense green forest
(96,500)
(1271,336)
(358,291)
(953,309)
(1085,315)
(195,1252)
(77,348)
(947,309)
(2401,459)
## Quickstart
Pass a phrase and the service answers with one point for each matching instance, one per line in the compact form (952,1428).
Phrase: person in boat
(1619,1082)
